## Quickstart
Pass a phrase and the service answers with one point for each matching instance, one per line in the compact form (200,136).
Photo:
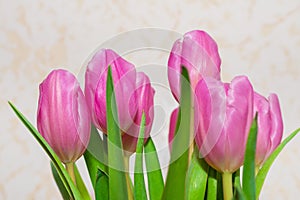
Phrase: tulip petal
(225,119)
(270,126)
(144,95)
(198,52)
(63,116)
(124,77)
(172,126)
(277,122)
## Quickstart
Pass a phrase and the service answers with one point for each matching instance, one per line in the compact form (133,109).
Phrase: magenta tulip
(63,117)
(270,126)
(134,95)
(225,117)
(198,52)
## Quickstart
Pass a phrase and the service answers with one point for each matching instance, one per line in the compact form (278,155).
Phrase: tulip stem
(70,170)
(128,180)
(227,185)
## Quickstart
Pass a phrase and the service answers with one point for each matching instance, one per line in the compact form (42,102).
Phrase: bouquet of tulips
(223,137)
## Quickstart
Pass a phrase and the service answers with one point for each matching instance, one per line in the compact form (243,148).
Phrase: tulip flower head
(63,117)
(225,116)
(145,100)
(270,126)
(133,91)
(198,52)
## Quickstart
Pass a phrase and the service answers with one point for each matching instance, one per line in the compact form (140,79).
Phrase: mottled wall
(257,38)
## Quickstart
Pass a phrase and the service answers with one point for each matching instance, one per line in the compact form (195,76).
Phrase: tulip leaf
(220,186)
(212,184)
(249,163)
(63,191)
(236,181)
(238,192)
(175,182)
(63,174)
(261,176)
(80,184)
(101,186)
(154,174)
(196,179)
(95,155)
(139,182)
(117,176)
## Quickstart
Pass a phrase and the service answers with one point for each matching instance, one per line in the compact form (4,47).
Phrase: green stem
(128,180)
(227,185)
(70,170)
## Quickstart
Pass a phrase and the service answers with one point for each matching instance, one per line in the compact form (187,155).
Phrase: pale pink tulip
(270,126)
(124,78)
(145,101)
(198,52)
(225,116)
(133,91)
(63,117)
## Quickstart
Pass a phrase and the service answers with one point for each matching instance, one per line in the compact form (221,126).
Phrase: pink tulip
(225,117)
(124,78)
(145,100)
(198,52)
(270,126)
(134,95)
(63,118)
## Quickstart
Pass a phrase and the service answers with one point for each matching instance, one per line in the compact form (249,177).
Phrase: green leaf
(95,156)
(261,176)
(155,178)
(63,191)
(249,163)
(80,185)
(238,192)
(212,184)
(63,174)
(139,182)
(175,183)
(101,186)
(220,186)
(117,177)
(236,181)
(196,179)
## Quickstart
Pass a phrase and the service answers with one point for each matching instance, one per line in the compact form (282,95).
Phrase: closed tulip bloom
(63,117)
(270,126)
(225,116)
(198,52)
(145,100)
(124,79)
(133,91)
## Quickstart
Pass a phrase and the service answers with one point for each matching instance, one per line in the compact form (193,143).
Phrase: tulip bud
(198,52)
(225,116)
(145,100)
(63,118)
(124,79)
(134,95)
(270,126)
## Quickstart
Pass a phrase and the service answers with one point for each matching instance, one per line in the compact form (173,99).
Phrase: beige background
(257,38)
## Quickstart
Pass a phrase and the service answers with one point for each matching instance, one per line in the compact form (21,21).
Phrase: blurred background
(258,38)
